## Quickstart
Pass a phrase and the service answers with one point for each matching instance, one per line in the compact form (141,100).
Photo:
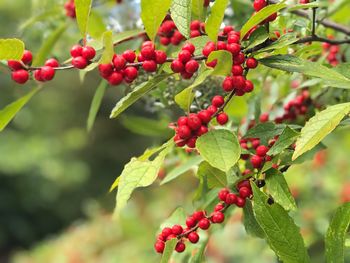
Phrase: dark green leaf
(287,137)
(250,224)
(215,177)
(284,41)
(257,37)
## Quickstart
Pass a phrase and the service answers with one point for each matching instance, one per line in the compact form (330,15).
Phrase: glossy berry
(223,194)
(115,78)
(227,84)
(79,62)
(184,132)
(47,73)
(149,65)
(264,117)
(259,4)
(52,63)
(240,202)
(191,66)
(262,150)
(177,230)
(208,48)
(222,118)
(179,142)
(194,122)
(184,56)
(37,75)
(256,161)
(159,246)
(234,48)
(105,70)
(177,66)
(198,215)
(180,247)
(76,51)
(218,217)
(251,63)
(190,222)
(119,62)
(189,47)
(14,65)
(217,101)
(244,192)
(129,56)
(160,56)
(27,57)
(193,237)
(182,121)
(249,86)
(204,223)
(244,183)
(212,109)
(148,52)
(88,52)
(231,198)
(239,59)
(204,116)
(20,76)
(219,207)
(166,232)
(237,70)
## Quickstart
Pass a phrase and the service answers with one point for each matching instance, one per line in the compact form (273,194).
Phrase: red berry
(219,207)
(184,132)
(79,62)
(204,223)
(217,101)
(149,65)
(256,161)
(233,38)
(166,232)
(159,247)
(249,86)
(218,217)
(47,73)
(186,75)
(177,230)
(191,66)
(223,194)
(198,215)
(222,118)
(190,222)
(205,116)
(212,109)
(179,142)
(160,56)
(147,44)
(271,17)
(76,51)
(164,41)
(244,192)
(195,25)
(244,183)
(240,202)
(234,48)
(37,75)
(177,66)
(195,33)
(88,52)
(228,29)
(255,143)
(14,65)
(180,247)
(227,84)
(221,45)
(27,57)
(239,59)
(20,76)
(184,56)
(259,4)
(140,58)
(251,63)
(264,117)
(208,48)
(129,56)
(105,70)
(119,62)
(148,52)
(131,73)
(189,47)
(182,121)
(191,142)
(193,237)
(262,150)
(52,63)
(231,198)
(115,78)
(239,82)
(202,130)
(194,122)
(237,70)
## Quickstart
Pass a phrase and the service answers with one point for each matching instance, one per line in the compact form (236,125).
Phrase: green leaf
(344,69)
(293,64)
(319,126)
(108,48)
(257,37)
(249,221)
(168,250)
(185,98)
(199,43)
(181,14)
(177,217)
(265,131)
(96,26)
(152,15)
(82,10)
(336,234)
(138,173)
(220,148)
(281,232)
(260,16)
(11,48)
(137,93)
(287,137)
(199,257)
(48,45)
(279,190)
(214,176)
(95,104)
(198,9)
(213,23)
(307,6)
(10,111)
(284,41)
(224,62)
(182,168)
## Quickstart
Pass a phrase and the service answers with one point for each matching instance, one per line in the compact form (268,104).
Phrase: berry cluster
(258,159)
(185,64)
(201,220)
(82,56)
(190,127)
(19,71)
(70,9)
(332,52)
(47,72)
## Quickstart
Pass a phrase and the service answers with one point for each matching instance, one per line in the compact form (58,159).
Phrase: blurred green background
(54,176)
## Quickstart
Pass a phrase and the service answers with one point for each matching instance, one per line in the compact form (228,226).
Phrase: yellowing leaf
(108,50)
(213,23)
(82,10)
(11,49)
